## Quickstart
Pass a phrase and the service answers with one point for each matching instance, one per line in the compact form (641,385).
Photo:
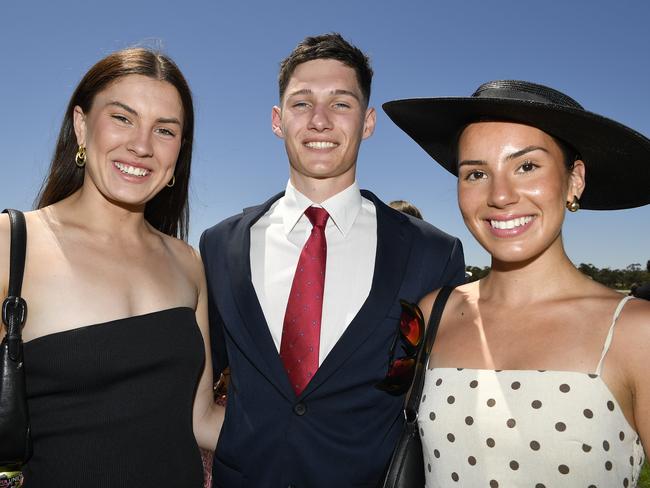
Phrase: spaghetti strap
(610,334)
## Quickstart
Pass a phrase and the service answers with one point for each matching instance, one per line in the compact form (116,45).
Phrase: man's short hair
(327,46)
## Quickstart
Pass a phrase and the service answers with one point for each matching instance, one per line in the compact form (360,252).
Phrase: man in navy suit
(303,409)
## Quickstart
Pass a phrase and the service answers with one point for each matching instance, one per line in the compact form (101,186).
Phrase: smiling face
(323,119)
(133,135)
(513,186)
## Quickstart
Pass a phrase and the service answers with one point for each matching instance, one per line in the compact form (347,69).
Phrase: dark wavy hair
(168,211)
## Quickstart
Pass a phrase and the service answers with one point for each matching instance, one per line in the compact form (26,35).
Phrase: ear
(576,180)
(369,123)
(79,123)
(276,121)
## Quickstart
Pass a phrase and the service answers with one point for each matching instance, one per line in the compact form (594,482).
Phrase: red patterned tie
(301,330)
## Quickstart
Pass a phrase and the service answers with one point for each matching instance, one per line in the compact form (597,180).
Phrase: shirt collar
(343,207)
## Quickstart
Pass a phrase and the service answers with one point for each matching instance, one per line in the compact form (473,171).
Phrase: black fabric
(15,445)
(406,467)
(111,404)
(617,158)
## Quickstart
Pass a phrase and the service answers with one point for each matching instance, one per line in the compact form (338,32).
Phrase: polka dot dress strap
(610,334)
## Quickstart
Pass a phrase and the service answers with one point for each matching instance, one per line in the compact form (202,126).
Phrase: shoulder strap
(17,253)
(14,308)
(610,334)
(413,398)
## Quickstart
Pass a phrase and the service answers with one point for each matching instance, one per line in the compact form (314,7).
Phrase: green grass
(644,477)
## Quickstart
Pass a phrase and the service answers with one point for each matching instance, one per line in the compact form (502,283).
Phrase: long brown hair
(168,211)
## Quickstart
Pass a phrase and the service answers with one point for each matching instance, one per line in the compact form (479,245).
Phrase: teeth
(320,145)
(131,170)
(510,224)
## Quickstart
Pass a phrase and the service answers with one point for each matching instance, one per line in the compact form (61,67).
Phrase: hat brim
(617,158)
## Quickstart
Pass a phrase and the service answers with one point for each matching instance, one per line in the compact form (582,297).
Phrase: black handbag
(15,440)
(406,466)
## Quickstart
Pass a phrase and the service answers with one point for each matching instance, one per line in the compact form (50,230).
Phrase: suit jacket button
(300,409)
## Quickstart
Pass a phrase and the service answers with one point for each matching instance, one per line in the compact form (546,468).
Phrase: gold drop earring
(80,158)
(573,205)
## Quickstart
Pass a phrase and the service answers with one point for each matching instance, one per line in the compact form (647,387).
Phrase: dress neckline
(105,323)
(595,376)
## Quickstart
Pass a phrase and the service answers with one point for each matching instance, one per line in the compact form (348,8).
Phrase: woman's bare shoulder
(35,229)
(460,294)
(631,339)
(634,320)
(5,247)
(185,255)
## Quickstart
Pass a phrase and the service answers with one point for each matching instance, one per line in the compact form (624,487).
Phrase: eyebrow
(472,162)
(307,91)
(514,155)
(161,120)
(525,150)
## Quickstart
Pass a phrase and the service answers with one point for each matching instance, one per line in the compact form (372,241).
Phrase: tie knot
(317,216)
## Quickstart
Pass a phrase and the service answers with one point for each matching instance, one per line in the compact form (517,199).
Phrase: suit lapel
(256,329)
(393,248)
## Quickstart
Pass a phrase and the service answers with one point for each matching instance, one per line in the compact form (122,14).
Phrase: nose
(319,119)
(140,143)
(502,191)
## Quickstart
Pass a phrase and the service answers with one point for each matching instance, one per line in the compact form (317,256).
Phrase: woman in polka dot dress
(538,376)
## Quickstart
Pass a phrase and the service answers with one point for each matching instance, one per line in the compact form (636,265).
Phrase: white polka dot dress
(522,428)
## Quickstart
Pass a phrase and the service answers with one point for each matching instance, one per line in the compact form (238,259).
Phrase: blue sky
(595,51)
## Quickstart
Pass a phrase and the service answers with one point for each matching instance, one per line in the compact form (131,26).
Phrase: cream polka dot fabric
(521,428)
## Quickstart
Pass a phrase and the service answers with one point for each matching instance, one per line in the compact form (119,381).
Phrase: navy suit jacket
(341,430)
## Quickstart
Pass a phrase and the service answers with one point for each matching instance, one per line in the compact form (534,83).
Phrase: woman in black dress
(117,353)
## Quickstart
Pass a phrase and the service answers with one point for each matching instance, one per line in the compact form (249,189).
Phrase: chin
(131,202)
(323,167)
(514,258)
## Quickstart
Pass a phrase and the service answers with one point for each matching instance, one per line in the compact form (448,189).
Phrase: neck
(99,216)
(320,189)
(543,277)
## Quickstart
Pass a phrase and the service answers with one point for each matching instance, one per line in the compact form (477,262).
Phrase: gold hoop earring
(80,158)
(172,182)
(574,205)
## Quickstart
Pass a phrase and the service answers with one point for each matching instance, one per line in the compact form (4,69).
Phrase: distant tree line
(619,279)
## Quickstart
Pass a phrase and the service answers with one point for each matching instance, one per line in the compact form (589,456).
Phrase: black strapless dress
(111,404)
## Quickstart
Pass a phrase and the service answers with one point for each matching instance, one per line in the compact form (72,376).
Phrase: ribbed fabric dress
(111,404)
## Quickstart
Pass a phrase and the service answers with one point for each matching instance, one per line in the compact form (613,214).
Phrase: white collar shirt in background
(277,239)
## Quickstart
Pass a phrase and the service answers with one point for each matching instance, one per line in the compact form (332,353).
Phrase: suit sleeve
(217,333)
(454,273)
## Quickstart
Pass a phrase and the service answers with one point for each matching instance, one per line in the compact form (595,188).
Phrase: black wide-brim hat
(617,158)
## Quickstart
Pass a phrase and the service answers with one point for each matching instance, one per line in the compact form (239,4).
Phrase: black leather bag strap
(14,308)
(18,249)
(413,400)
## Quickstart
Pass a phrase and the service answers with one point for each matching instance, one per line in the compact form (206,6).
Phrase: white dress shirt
(277,239)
